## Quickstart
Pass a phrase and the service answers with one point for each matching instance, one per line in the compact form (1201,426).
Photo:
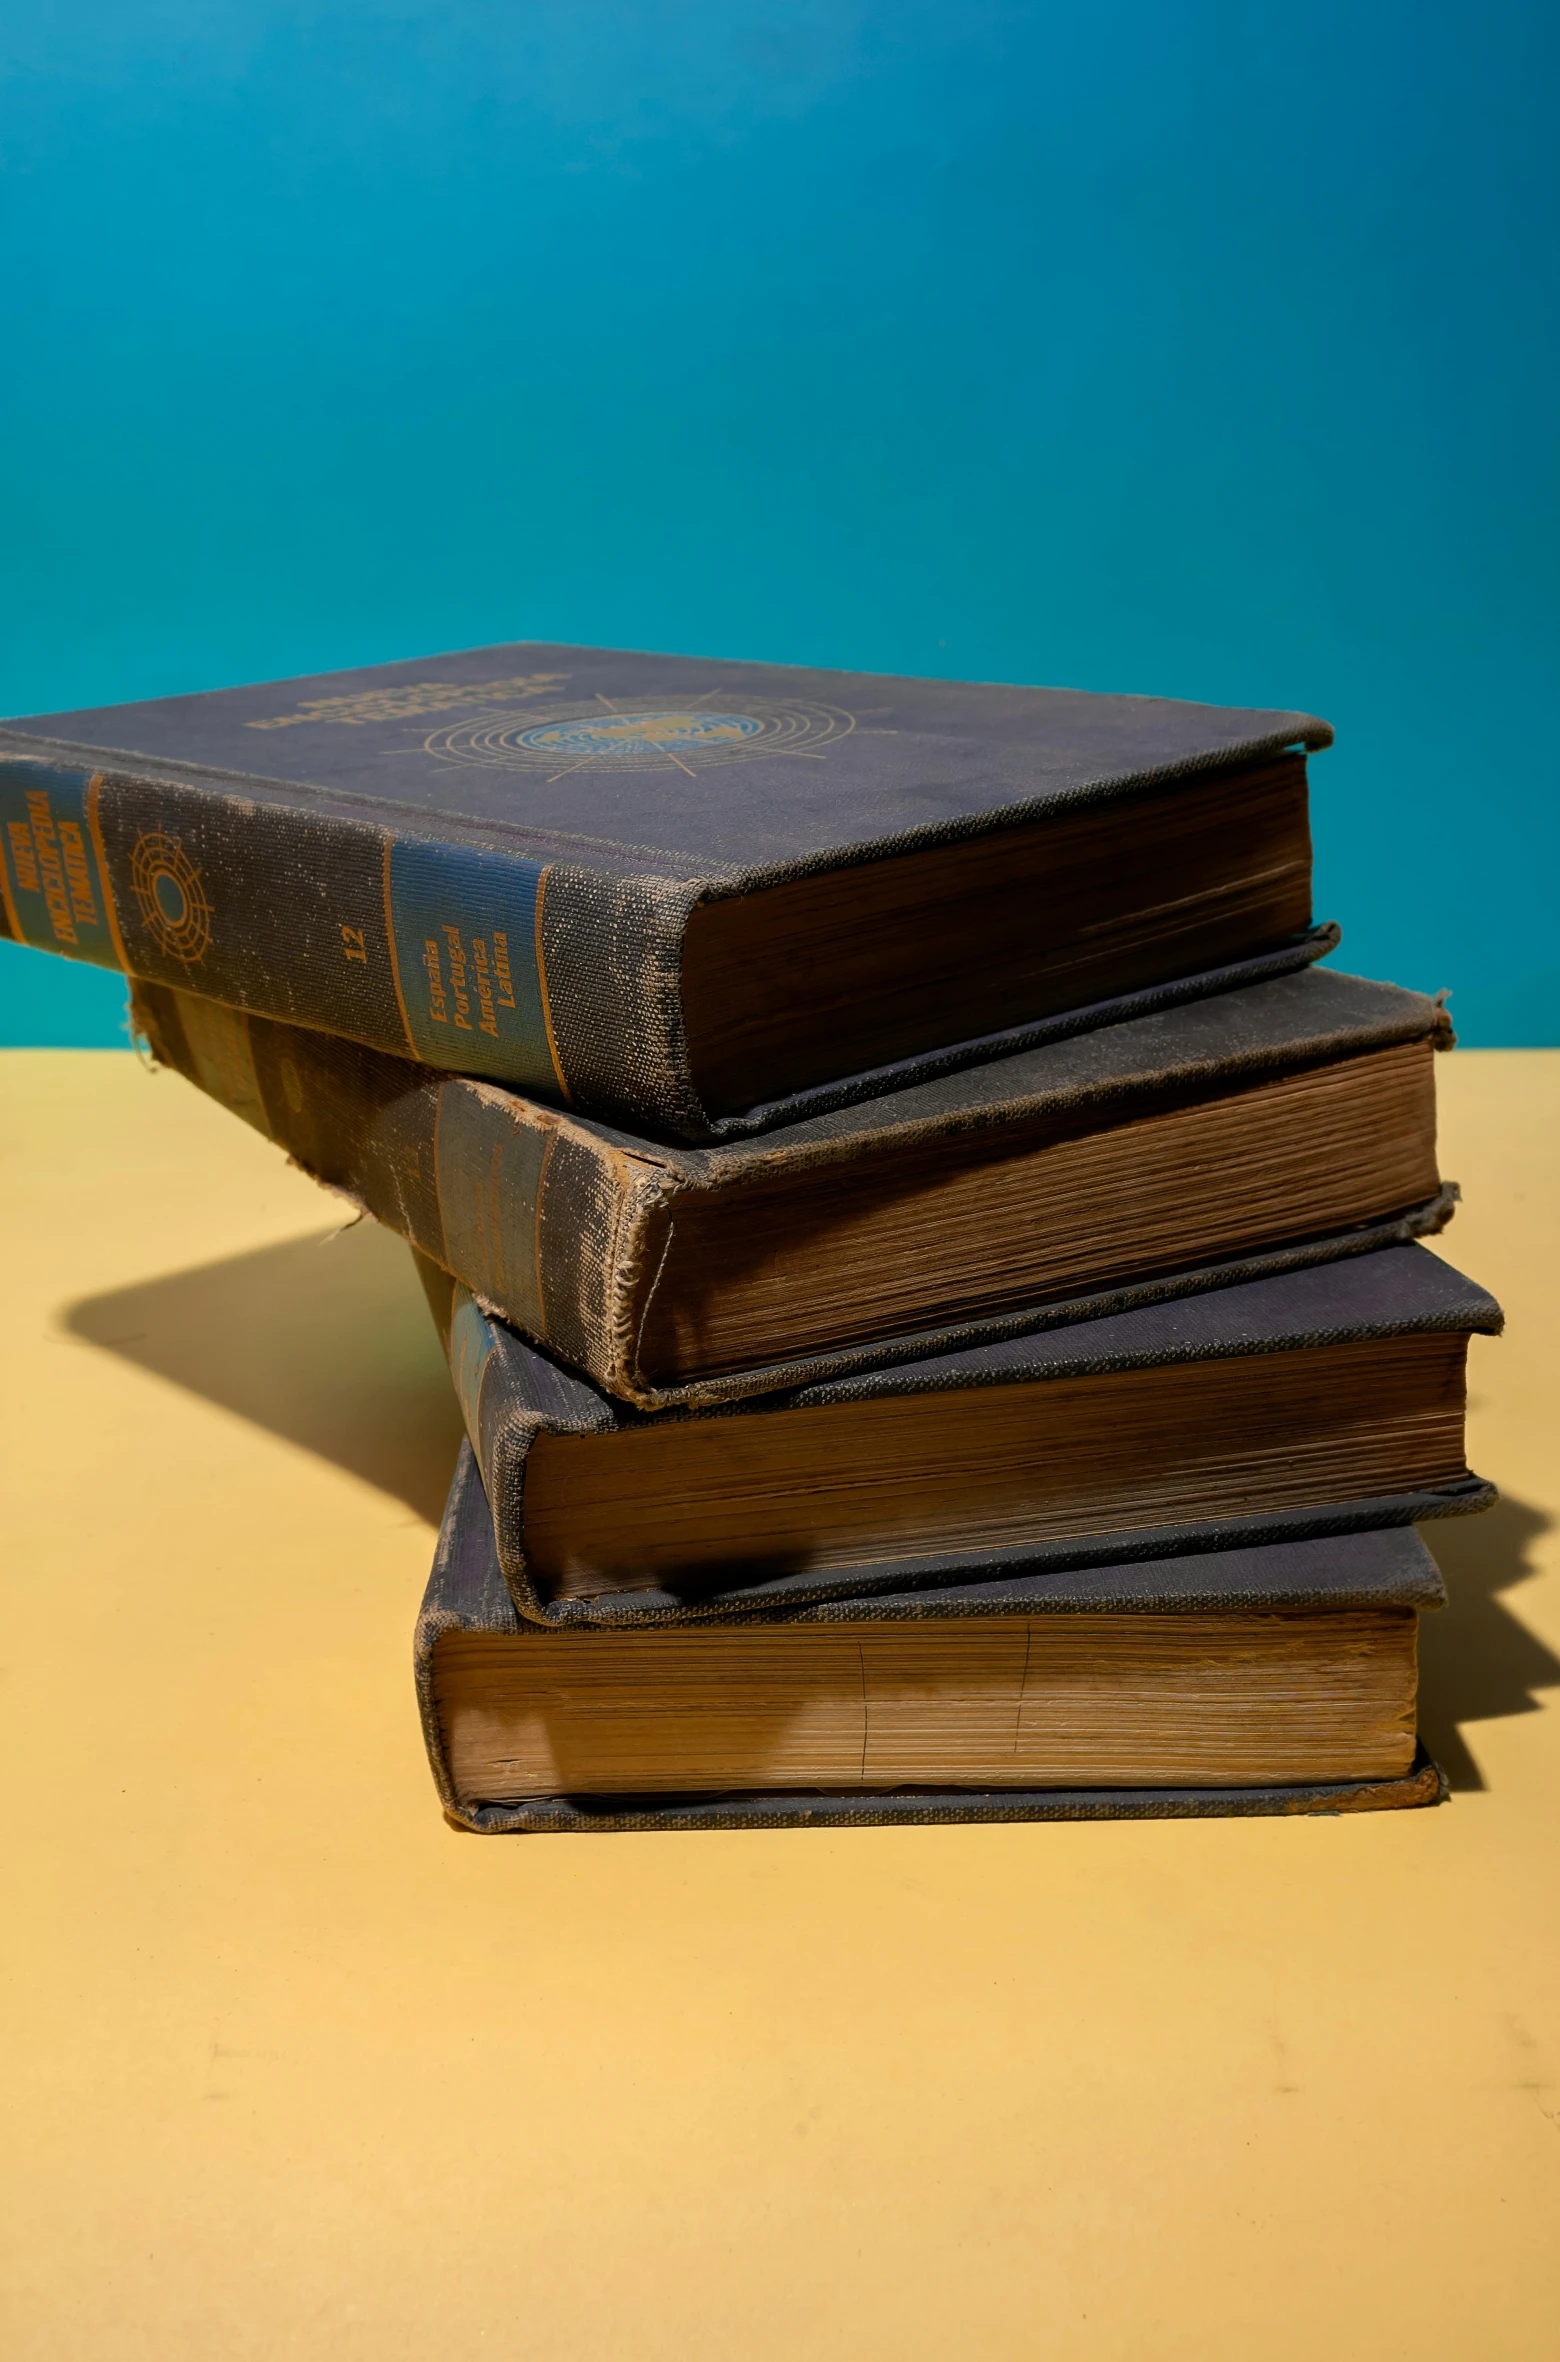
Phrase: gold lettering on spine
(23,856)
(51,869)
(95,831)
(455,951)
(503,981)
(78,874)
(412,1050)
(438,1006)
(482,978)
(541,984)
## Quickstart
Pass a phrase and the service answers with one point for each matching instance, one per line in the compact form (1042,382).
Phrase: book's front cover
(691,766)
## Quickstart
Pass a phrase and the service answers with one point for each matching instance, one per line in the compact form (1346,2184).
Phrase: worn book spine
(543,1219)
(467,1594)
(509,1394)
(549,1223)
(559,978)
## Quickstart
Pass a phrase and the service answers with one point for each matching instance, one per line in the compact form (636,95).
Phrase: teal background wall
(1207,349)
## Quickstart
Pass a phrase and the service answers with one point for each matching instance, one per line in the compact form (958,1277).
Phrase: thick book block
(700,898)
(1286,1123)
(1327,1399)
(1277,1679)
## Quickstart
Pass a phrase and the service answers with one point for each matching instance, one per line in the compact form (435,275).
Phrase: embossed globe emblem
(172,899)
(634,738)
(599,737)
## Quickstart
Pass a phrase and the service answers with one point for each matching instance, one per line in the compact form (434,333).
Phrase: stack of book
(926,1258)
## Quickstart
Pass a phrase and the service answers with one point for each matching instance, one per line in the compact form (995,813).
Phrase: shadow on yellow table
(297,2070)
(1478,1660)
(319,1339)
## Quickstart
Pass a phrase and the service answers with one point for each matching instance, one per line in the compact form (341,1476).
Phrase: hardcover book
(1284,1123)
(1320,1400)
(1277,1679)
(699,898)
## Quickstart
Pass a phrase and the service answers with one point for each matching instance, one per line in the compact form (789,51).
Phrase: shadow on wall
(1476,1660)
(324,1340)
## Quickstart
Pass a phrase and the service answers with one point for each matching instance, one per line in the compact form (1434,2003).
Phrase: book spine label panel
(55,887)
(464,930)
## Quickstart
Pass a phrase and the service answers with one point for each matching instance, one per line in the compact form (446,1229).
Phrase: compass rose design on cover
(604,736)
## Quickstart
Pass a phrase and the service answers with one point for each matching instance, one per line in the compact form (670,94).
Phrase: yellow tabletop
(293,2070)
